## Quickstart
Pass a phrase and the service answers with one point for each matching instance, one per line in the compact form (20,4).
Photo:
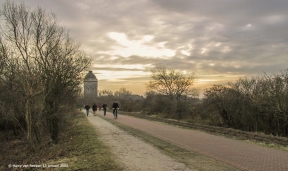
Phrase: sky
(219,40)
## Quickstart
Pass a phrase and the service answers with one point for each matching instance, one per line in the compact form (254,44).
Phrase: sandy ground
(132,152)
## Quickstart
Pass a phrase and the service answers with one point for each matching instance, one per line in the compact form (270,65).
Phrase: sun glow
(126,47)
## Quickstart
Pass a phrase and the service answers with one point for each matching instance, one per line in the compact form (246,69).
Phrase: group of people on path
(115,106)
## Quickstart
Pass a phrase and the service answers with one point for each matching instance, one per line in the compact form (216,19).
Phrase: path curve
(237,153)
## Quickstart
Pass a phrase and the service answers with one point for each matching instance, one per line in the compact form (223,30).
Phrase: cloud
(220,40)
(126,47)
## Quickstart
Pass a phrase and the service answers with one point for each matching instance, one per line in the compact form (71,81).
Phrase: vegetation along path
(239,154)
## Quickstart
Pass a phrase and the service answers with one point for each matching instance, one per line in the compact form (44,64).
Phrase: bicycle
(115,111)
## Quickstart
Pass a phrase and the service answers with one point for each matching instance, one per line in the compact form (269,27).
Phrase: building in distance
(90,87)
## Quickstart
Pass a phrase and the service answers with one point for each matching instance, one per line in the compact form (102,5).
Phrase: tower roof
(90,76)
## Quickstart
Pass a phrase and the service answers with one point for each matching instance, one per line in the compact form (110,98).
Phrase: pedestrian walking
(94,108)
(104,106)
(87,107)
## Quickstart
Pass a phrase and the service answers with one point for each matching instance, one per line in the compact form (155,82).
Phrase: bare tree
(17,34)
(122,93)
(105,93)
(254,104)
(49,63)
(174,85)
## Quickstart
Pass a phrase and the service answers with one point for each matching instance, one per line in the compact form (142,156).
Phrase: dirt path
(132,152)
(236,153)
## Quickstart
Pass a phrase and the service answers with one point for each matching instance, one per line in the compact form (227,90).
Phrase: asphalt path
(236,153)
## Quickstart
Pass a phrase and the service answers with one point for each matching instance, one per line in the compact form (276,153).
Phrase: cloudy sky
(219,40)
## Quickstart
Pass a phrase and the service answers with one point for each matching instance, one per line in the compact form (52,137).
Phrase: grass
(269,145)
(78,149)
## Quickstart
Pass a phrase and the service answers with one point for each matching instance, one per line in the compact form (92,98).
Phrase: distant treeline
(258,104)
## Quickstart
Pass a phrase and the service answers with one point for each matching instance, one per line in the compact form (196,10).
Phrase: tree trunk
(28,122)
(52,119)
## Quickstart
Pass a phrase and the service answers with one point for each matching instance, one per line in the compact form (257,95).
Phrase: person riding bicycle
(115,107)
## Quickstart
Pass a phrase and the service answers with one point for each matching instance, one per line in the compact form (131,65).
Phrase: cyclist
(115,107)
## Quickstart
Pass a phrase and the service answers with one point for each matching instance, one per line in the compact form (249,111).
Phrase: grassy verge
(192,159)
(78,149)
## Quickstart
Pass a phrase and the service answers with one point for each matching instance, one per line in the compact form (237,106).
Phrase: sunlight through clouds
(121,38)
(125,66)
(186,50)
(121,71)
(126,47)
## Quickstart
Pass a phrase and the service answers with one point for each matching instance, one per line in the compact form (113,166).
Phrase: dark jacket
(94,107)
(104,106)
(115,105)
(87,107)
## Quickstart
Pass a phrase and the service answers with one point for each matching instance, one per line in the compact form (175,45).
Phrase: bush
(255,104)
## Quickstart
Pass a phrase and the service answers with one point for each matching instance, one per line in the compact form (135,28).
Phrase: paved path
(237,153)
(134,153)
